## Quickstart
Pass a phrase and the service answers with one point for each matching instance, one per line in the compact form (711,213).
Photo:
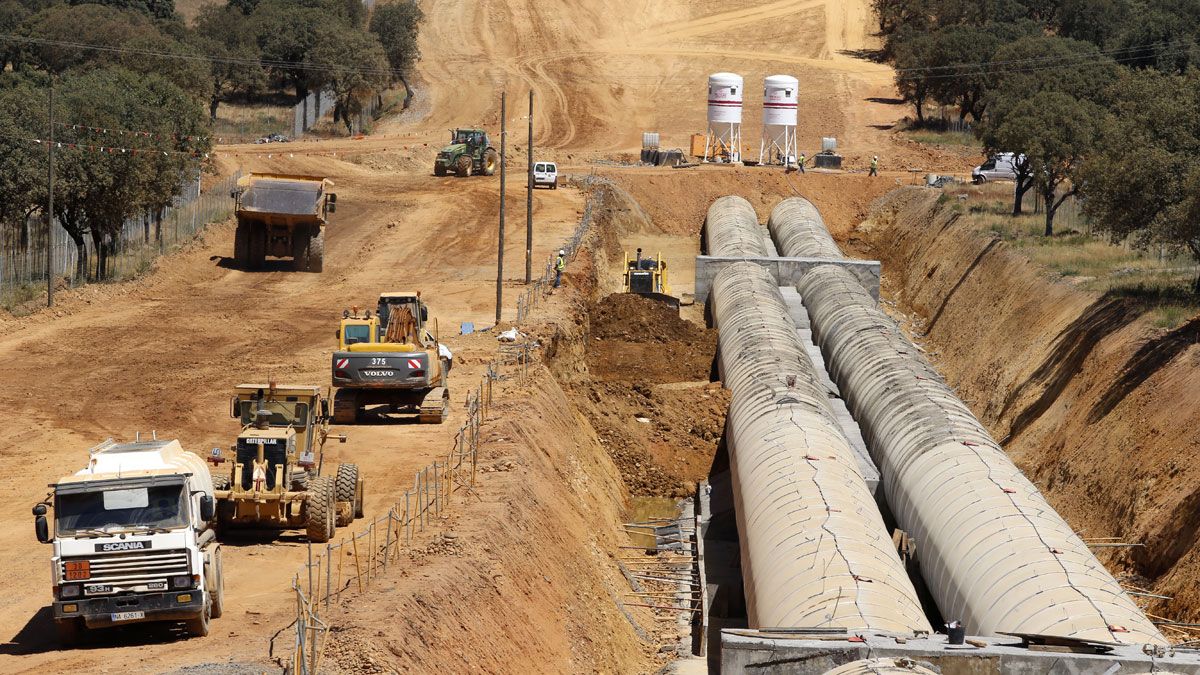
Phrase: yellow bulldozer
(647,277)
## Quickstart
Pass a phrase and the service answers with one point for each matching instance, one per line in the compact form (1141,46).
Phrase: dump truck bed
(299,196)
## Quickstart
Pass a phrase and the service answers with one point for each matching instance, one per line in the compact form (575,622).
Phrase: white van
(998,167)
(545,174)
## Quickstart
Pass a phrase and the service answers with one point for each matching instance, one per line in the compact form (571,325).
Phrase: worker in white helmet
(560,263)
(874,166)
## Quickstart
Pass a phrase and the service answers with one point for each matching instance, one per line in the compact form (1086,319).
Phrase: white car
(998,167)
(545,174)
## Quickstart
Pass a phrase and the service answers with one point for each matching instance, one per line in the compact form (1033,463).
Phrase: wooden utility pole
(50,205)
(500,250)
(529,201)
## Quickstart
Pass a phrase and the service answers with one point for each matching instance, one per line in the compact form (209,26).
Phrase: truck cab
(133,540)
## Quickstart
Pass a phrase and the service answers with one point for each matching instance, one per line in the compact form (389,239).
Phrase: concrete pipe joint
(799,231)
(815,550)
(993,552)
(731,229)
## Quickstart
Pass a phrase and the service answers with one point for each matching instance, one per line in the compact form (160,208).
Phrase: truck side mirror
(208,508)
(42,528)
(424,313)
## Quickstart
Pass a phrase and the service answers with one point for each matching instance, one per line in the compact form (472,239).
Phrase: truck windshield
(357,333)
(283,413)
(124,508)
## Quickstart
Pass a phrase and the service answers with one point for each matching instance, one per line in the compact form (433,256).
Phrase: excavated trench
(1095,403)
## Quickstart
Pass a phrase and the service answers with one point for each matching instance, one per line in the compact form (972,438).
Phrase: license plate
(128,616)
(95,589)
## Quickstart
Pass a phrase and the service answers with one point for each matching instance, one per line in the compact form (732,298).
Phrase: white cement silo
(781,97)
(724,143)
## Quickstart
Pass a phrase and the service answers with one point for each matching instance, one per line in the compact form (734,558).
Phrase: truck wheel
(316,252)
(462,166)
(319,510)
(68,631)
(439,170)
(300,240)
(258,247)
(241,246)
(198,627)
(490,161)
(347,491)
(345,407)
(215,580)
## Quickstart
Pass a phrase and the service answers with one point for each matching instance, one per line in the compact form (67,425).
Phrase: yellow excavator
(647,277)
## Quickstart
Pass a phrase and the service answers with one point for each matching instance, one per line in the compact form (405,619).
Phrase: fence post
(328,571)
(387,549)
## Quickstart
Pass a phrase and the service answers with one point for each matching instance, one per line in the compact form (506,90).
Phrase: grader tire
(462,166)
(490,161)
(319,510)
(346,489)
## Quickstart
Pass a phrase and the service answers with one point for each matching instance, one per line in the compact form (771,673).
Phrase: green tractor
(469,152)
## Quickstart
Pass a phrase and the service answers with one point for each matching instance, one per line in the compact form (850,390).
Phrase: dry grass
(250,121)
(929,137)
(1082,258)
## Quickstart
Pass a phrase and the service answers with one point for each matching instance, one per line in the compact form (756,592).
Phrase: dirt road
(163,352)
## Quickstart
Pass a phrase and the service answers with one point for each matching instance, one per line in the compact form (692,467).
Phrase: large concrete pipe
(731,229)
(993,552)
(800,232)
(815,551)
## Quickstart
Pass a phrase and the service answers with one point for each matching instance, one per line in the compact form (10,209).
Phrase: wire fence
(350,565)
(310,111)
(539,288)
(26,250)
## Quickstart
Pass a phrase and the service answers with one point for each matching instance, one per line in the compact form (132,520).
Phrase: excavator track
(435,407)
(345,407)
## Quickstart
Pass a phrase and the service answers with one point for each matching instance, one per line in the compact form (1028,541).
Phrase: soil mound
(633,318)
(634,339)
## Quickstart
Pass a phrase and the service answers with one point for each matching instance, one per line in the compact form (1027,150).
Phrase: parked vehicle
(545,174)
(1000,166)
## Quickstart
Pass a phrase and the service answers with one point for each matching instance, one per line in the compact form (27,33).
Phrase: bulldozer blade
(663,297)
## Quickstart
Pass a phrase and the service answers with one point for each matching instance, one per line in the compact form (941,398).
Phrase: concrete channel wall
(815,551)
(992,551)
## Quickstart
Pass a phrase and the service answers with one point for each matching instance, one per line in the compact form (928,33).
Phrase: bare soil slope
(1097,405)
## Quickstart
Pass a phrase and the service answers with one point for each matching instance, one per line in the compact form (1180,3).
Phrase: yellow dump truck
(282,216)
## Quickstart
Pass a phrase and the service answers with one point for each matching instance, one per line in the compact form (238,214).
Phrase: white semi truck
(133,540)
